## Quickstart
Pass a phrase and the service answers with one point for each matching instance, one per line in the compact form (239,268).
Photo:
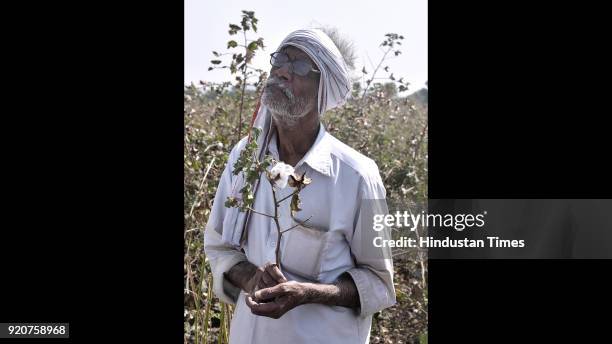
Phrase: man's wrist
(320,293)
(343,292)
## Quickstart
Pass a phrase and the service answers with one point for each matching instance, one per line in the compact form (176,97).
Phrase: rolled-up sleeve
(373,271)
(222,257)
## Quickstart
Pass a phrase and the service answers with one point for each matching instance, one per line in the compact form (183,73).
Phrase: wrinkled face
(290,96)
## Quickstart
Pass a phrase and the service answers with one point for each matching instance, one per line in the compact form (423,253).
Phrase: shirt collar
(318,156)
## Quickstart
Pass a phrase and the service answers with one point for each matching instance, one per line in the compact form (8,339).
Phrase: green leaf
(232,44)
(231,202)
(215,62)
(245,23)
(253,46)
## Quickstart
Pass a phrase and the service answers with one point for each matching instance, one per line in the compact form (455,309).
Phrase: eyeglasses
(299,67)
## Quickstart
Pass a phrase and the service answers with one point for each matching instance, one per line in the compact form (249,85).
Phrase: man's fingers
(267,280)
(269,293)
(249,301)
(254,281)
(266,276)
(269,309)
(275,272)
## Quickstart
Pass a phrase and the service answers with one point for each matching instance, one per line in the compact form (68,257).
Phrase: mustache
(281,85)
(274,81)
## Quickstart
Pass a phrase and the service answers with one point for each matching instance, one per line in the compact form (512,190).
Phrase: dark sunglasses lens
(279,59)
(301,68)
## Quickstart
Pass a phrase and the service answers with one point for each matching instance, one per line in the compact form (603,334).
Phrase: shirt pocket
(302,251)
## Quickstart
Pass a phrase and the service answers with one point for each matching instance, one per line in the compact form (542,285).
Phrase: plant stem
(201,186)
(243,86)
(297,224)
(416,150)
(221,338)
(284,198)
(208,305)
(256,212)
(278,239)
(373,75)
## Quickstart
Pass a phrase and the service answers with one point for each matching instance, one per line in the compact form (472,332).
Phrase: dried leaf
(295,204)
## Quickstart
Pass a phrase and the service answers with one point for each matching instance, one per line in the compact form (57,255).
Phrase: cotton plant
(279,174)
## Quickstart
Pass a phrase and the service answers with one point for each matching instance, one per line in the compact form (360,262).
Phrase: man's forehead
(294,52)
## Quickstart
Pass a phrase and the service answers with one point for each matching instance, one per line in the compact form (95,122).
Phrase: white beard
(287,110)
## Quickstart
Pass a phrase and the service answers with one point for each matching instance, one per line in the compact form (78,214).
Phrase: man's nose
(283,72)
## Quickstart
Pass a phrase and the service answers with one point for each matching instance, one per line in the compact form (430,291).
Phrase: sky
(365,23)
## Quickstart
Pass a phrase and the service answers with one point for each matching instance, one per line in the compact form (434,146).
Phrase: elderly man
(332,278)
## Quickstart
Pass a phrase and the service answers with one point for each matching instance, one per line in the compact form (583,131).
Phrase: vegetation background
(380,120)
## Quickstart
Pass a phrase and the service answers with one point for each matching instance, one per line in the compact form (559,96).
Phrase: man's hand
(250,278)
(265,276)
(275,301)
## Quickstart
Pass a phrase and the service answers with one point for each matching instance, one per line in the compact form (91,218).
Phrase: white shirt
(339,241)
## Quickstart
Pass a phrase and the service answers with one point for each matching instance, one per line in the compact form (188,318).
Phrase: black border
(93,144)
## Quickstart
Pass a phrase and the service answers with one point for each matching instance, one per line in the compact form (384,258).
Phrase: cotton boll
(280,173)
(280,183)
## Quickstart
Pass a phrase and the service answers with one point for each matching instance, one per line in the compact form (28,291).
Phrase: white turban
(334,89)
(334,85)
